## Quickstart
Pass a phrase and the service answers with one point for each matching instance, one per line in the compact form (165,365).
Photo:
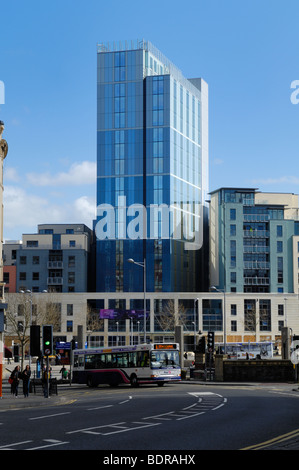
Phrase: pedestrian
(26,380)
(62,372)
(45,381)
(15,375)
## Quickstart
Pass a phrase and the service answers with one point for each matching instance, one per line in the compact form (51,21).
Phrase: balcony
(256,281)
(256,249)
(55,281)
(256,265)
(55,265)
(256,234)
(256,217)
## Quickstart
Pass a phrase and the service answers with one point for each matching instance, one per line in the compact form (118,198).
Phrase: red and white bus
(157,363)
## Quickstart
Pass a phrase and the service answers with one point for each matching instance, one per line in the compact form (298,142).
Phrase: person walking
(15,375)
(45,381)
(26,380)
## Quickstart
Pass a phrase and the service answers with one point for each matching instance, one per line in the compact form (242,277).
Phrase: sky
(247,52)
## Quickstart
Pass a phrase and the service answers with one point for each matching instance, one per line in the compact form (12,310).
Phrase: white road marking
(52,443)
(15,444)
(49,416)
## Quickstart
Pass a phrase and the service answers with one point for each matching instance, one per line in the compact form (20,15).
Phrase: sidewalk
(9,401)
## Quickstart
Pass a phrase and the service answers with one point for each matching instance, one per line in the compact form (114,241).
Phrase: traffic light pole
(47,376)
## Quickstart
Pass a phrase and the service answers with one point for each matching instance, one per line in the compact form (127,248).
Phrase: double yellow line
(275,440)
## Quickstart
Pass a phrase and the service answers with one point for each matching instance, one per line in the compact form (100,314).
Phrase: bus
(156,363)
(249,350)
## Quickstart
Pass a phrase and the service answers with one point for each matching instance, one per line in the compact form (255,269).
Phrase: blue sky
(246,51)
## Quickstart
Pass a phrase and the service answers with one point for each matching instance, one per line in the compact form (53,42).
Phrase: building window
(32,243)
(249,315)
(233,325)
(72,243)
(233,277)
(279,247)
(120,66)
(280,270)
(233,309)
(119,105)
(265,315)
(35,276)
(279,230)
(23,259)
(35,260)
(158,101)
(22,276)
(233,230)
(233,253)
(232,214)
(71,278)
(280,309)
(69,310)
(69,326)
(71,261)
(280,324)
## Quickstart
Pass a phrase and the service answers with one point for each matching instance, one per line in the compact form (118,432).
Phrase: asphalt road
(177,418)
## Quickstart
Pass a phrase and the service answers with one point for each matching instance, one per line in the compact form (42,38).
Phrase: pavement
(9,401)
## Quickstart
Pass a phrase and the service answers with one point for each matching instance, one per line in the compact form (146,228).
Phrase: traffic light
(210,340)
(34,340)
(201,347)
(47,347)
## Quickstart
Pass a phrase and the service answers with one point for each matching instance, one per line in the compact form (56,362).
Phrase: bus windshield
(165,359)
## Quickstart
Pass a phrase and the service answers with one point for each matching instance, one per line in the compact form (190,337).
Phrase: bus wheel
(160,384)
(89,382)
(134,381)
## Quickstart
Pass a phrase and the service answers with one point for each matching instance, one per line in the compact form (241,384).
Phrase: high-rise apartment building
(56,259)
(152,177)
(254,241)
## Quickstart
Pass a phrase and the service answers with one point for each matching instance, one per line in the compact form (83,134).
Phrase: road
(176,418)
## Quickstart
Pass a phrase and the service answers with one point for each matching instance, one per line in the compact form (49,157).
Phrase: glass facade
(151,177)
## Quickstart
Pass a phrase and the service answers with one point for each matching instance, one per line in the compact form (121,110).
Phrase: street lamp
(224,315)
(30,323)
(194,322)
(142,265)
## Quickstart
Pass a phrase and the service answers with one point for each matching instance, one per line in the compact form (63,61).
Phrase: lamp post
(194,322)
(142,265)
(224,315)
(30,323)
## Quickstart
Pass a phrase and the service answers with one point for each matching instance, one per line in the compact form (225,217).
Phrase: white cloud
(23,211)
(217,161)
(78,174)
(10,174)
(85,207)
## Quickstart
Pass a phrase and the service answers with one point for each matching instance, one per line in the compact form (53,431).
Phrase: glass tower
(152,172)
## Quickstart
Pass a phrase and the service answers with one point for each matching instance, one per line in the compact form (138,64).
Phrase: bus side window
(143,359)
(101,361)
(132,359)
